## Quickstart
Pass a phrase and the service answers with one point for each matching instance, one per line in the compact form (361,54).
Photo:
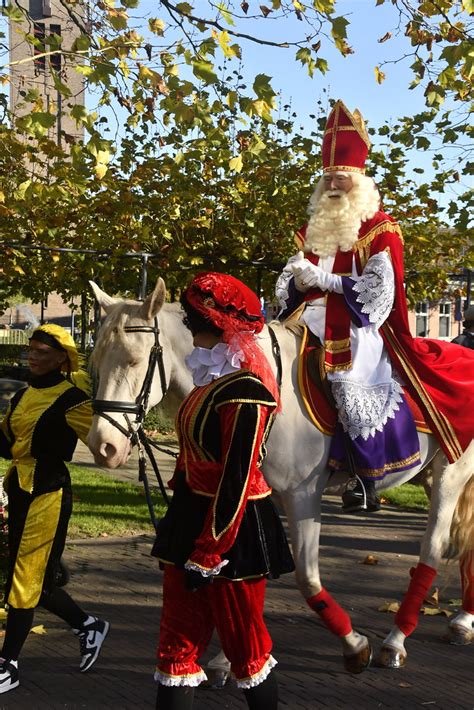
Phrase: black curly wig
(196,322)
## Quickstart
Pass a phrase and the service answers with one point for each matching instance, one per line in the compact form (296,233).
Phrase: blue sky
(350,78)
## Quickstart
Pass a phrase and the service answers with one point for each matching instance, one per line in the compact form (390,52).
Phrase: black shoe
(360,496)
(8,676)
(91,638)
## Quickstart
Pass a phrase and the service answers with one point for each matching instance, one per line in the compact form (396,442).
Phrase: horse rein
(277,356)
(139,407)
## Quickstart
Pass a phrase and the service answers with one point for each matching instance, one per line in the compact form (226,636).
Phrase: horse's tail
(462,524)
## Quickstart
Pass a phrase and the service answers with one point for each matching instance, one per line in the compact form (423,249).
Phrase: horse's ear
(102,298)
(153,303)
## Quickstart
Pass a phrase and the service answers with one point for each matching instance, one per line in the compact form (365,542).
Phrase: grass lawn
(105,506)
(407,496)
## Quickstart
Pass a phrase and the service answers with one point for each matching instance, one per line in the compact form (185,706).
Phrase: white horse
(296,462)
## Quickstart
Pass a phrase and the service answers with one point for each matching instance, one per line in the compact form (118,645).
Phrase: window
(421,314)
(55,58)
(39,61)
(444,319)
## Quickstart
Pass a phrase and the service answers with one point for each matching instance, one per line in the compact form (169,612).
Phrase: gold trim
(334,133)
(309,409)
(299,240)
(410,461)
(244,487)
(331,367)
(344,169)
(337,346)
(385,226)
(342,128)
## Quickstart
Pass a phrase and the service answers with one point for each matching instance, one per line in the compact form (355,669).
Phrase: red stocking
(422,577)
(335,618)
(467,581)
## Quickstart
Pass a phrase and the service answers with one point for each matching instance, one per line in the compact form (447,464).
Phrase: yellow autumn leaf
(435,611)
(2,196)
(236,163)
(103,156)
(390,606)
(18,269)
(100,170)
(40,630)
(3,614)
(370,560)
(433,598)
(379,75)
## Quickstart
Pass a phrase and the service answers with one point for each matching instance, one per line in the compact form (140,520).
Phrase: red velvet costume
(439,375)
(221,509)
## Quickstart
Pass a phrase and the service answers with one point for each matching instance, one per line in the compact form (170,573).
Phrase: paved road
(117,579)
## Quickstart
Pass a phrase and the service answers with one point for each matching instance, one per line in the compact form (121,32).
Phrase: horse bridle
(140,405)
(134,431)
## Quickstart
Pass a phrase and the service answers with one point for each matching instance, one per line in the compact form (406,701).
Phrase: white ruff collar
(207,364)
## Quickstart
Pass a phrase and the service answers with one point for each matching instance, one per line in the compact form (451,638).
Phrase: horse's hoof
(459,635)
(390,657)
(358,662)
(216,678)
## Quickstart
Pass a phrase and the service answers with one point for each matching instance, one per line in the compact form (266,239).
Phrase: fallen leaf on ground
(455,602)
(434,611)
(433,597)
(39,630)
(405,685)
(370,560)
(390,606)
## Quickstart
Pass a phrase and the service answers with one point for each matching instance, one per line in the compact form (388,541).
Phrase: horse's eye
(115,330)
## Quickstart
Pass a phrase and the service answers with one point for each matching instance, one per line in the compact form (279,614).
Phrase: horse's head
(135,358)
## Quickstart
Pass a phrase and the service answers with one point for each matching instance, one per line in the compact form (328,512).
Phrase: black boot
(360,495)
(174,697)
(263,696)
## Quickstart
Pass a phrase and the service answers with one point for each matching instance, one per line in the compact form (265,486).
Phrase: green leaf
(156,26)
(262,87)
(63,89)
(322,65)
(205,71)
(339,25)
(225,13)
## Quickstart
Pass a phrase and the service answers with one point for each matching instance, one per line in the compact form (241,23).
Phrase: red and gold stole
(337,343)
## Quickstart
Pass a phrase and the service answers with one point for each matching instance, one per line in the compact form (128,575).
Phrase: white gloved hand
(299,257)
(308,275)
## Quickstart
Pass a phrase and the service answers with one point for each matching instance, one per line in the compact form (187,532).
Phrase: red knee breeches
(234,609)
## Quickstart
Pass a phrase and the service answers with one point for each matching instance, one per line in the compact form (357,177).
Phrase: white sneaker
(91,638)
(8,676)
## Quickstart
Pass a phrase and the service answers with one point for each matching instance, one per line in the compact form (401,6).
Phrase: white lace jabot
(207,364)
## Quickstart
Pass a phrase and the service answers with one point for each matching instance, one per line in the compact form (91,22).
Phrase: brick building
(43,19)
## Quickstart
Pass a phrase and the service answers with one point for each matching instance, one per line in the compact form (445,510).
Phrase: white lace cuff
(206,572)
(376,288)
(282,288)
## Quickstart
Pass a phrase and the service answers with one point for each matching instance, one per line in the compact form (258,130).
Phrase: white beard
(334,222)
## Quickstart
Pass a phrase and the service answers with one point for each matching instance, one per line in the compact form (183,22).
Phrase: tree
(211,169)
